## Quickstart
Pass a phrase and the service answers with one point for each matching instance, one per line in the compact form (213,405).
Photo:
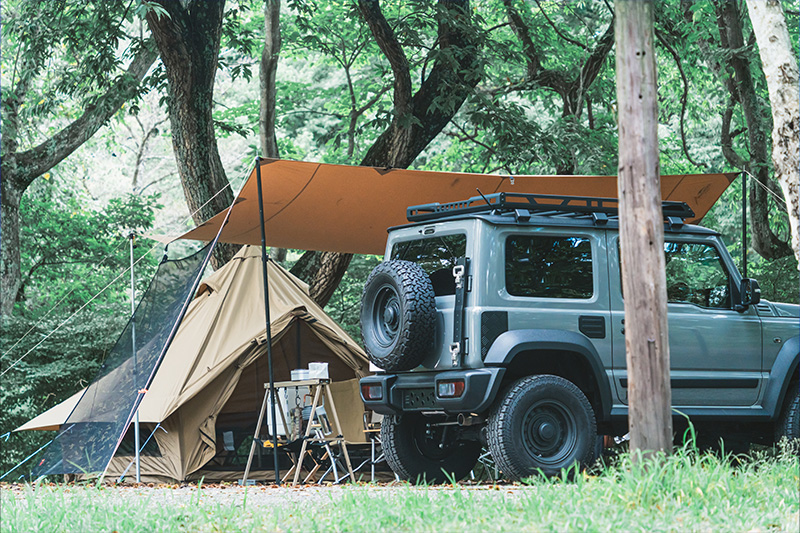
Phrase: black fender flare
(783,370)
(512,343)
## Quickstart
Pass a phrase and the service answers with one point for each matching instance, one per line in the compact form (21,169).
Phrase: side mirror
(749,293)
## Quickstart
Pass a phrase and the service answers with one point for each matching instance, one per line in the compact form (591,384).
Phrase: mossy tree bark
(188,41)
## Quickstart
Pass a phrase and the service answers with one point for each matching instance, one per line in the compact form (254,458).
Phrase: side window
(549,267)
(437,256)
(696,275)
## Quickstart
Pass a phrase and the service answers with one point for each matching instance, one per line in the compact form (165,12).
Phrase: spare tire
(398,315)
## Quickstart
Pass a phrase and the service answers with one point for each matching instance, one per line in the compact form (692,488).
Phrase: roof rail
(523,204)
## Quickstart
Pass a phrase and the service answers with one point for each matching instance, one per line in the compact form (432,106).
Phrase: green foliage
(345,304)
(70,251)
(64,56)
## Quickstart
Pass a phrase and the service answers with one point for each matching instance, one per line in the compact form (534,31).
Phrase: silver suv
(498,322)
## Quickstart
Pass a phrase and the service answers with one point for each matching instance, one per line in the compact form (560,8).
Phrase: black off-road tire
(415,456)
(398,315)
(788,425)
(542,424)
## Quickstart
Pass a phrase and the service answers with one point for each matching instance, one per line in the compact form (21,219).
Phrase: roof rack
(522,205)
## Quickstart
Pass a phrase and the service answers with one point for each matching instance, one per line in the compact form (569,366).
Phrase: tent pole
(269,330)
(299,360)
(135,369)
(744,224)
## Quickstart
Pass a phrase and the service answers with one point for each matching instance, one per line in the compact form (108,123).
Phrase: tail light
(372,392)
(450,389)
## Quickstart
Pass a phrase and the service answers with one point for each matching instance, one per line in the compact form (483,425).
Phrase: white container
(318,370)
(300,374)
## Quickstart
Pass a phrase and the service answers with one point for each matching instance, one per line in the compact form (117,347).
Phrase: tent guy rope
(75,287)
(101,291)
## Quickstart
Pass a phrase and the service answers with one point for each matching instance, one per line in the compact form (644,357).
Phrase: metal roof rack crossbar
(541,204)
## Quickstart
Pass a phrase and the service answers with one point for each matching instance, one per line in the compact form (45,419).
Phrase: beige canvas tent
(211,383)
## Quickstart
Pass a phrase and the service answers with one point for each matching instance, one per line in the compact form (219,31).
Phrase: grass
(684,492)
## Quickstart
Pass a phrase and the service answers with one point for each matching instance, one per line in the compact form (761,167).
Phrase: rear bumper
(416,392)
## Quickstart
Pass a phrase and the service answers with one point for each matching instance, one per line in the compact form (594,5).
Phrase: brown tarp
(338,208)
(214,372)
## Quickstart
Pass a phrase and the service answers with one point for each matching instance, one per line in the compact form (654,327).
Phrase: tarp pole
(744,224)
(299,360)
(135,368)
(269,330)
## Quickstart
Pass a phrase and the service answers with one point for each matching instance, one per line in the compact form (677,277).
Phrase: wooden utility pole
(642,231)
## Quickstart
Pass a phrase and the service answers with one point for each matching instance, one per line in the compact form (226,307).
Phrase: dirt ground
(228,494)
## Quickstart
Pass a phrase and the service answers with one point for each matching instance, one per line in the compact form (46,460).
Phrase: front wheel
(420,451)
(542,424)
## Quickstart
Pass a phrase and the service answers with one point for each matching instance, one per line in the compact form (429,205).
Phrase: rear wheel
(542,424)
(788,424)
(419,451)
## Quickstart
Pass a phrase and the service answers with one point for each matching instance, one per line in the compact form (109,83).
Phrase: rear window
(437,256)
(549,266)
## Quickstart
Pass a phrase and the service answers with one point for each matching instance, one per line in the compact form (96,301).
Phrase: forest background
(146,116)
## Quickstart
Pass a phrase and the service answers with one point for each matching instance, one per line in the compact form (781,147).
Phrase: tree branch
(387,42)
(555,29)
(372,101)
(726,140)
(591,68)
(684,96)
(521,30)
(32,163)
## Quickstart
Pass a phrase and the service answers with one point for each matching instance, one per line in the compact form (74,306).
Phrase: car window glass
(549,266)
(696,275)
(437,256)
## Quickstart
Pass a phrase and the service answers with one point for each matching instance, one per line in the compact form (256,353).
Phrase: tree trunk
(20,169)
(188,41)
(268,75)
(780,69)
(418,118)
(765,242)
(642,231)
(10,276)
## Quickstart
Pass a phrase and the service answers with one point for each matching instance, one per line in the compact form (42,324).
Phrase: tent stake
(135,369)
(269,330)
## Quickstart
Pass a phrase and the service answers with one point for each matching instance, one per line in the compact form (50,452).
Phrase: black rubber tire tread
(508,453)
(405,459)
(415,336)
(788,424)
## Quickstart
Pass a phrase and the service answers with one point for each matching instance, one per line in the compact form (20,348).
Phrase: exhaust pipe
(469,420)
